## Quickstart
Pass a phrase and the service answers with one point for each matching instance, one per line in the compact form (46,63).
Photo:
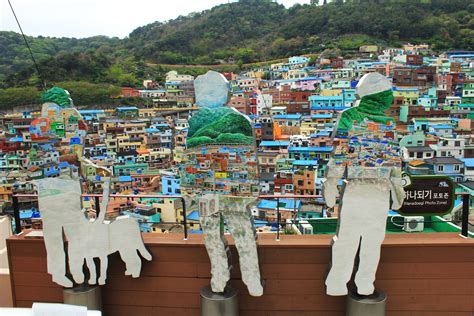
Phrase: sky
(84,18)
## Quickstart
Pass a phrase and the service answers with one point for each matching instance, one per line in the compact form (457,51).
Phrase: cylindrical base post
(373,305)
(219,304)
(84,295)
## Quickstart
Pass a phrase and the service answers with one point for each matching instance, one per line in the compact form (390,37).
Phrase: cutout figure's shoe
(365,290)
(337,290)
(63,281)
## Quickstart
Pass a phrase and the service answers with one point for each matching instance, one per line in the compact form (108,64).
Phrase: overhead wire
(28,46)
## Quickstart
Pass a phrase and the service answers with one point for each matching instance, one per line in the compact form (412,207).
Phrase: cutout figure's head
(372,83)
(60,120)
(57,96)
(375,92)
(211,90)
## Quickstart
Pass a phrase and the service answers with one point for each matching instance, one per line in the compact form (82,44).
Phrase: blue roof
(323,97)
(91,111)
(310,78)
(288,116)
(318,116)
(305,163)
(468,162)
(278,143)
(441,126)
(284,204)
(395,88)
(322,133)
(125,179)
(197,232)
(193,216)
(63,164)
(154,90)
(299,149)
(127,108)
(332,108)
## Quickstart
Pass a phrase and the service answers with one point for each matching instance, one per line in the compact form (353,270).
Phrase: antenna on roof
(28,46)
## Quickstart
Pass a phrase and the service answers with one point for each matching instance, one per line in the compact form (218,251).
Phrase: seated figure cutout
(219,179)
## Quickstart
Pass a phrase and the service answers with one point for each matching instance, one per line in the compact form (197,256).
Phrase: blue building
(344,100)
(170,185)
(298,60)
(309,153)
(447,166)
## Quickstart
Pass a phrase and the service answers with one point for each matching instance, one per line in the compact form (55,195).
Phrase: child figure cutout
(366,157)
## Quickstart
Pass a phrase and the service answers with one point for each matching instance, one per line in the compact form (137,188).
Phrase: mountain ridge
(240,32)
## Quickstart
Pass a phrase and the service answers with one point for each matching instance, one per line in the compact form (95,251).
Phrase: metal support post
(84,295)
(465,216)
(278,219)
(361,305)
(97,207)
(219,304)
(185,222)
(16,214)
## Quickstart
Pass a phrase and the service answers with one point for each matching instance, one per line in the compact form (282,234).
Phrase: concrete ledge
(5,289)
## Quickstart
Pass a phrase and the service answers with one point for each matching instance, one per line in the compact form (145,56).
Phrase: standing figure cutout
(219,178)
(366,157)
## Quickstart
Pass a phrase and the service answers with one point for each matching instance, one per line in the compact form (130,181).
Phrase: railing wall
(422,274)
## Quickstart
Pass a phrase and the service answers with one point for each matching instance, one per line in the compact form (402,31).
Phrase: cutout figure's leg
(76,262)
(241,226)
(345,243)
(132,261)
(344,250)
(56,255)
(216,246)
(371,243)
(92,270)
(103,269)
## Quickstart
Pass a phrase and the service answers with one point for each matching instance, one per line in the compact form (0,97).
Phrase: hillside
(243,32)
(258,30)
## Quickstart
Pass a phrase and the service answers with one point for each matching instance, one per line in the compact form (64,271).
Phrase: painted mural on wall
(219,177)
(367,159)
(59,200)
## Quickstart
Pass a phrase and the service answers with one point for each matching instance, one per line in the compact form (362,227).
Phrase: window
(441,168)
(457,167)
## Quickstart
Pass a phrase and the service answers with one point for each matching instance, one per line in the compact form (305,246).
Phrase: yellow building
(410,95)
(220,175)
(330,92)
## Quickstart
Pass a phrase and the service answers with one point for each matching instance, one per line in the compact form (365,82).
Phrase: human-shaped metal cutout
(219,177)
(367,159)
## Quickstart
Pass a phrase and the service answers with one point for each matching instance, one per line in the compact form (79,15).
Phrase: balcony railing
(16,208)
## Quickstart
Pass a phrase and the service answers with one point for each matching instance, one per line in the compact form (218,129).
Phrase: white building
(174,76)
(449,147)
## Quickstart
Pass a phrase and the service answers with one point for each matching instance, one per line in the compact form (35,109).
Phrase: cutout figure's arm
(106,186)
(396,189)
(105,200)
(333,175)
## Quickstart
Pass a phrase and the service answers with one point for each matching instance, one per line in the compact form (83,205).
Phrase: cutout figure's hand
(330,192)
